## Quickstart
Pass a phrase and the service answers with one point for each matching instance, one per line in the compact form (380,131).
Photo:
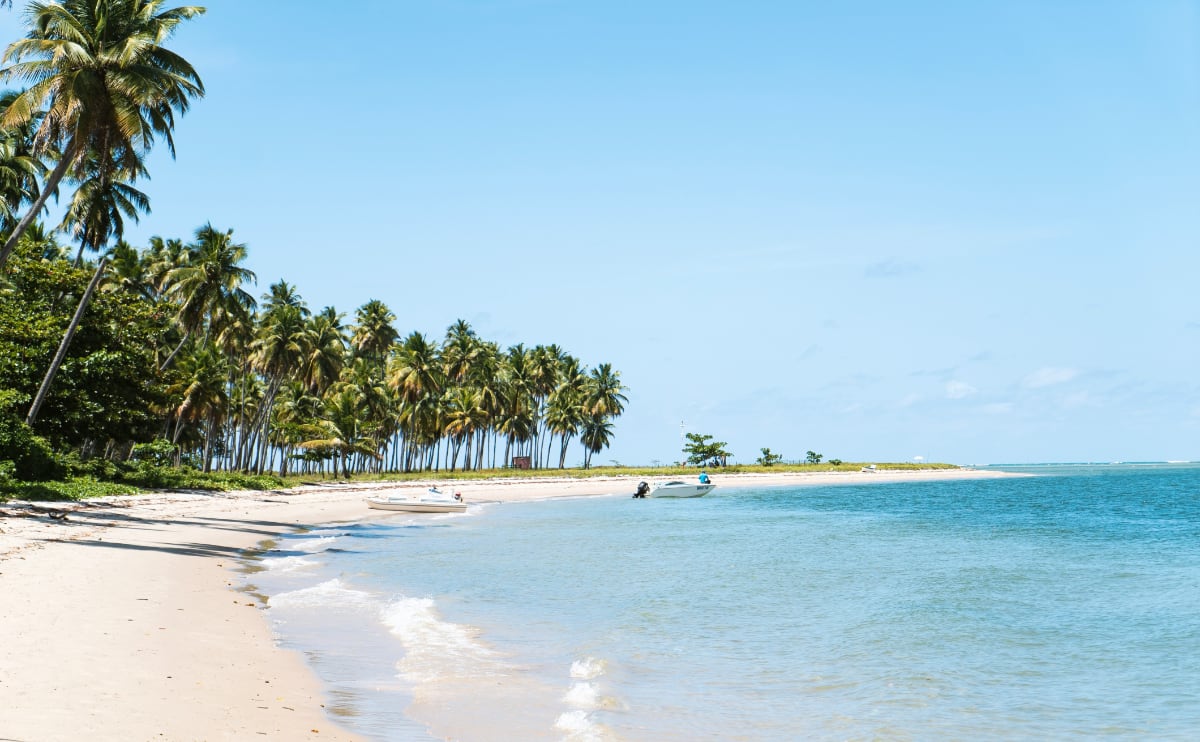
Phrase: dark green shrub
(158,452)
(31,456)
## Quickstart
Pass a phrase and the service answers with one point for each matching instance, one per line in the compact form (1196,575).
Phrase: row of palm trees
(267,387)
(277,387)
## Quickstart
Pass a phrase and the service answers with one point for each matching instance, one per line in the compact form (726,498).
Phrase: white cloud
(998,408)
(959,390)
(909,401)
(1048,376)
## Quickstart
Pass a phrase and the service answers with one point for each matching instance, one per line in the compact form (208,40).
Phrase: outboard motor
(642,489)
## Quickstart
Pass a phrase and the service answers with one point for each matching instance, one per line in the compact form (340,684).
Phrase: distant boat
(677,488)
(435,502)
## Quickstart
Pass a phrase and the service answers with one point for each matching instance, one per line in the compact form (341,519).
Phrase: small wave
(435,649)
(309,545)
(579,727)
(288,563)
(582,696)
(331,593)
(588,668)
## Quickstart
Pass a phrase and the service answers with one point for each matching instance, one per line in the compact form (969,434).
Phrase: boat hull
(417,506)
(681,490)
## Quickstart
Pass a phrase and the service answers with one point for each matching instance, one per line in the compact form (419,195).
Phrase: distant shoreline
(127,623)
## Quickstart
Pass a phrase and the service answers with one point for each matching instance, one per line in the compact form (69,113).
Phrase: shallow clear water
(1065,605)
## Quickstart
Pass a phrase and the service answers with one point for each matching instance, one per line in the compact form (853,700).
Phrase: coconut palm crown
(101,81)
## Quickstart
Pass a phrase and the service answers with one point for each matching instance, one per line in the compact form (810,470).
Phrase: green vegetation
(768,458)
(702,450)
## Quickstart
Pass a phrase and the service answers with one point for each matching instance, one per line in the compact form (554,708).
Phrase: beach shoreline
(125,618)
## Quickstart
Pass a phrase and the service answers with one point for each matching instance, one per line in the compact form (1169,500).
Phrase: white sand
(123,622)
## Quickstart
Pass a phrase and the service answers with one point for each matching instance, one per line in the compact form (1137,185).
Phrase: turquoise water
(1060,606)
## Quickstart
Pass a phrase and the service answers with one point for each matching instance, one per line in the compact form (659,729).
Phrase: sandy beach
(122,618)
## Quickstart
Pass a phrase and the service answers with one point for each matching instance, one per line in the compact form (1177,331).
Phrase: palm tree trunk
(212,425)
(49,187)
(175,352)
(40,398)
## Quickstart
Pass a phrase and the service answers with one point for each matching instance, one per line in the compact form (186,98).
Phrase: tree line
(163,352)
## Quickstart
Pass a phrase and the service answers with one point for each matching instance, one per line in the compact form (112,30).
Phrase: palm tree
(20,168)
(464,416)
(340,432)
(604,392)
(596,435)
(326,351)
(95,218)
(415,373)
(203,395)
(374,334)
(163,256)
(96,208)
(209,280)
(564,415)
(281,345)
(459,351)
(100,80)
(128,273)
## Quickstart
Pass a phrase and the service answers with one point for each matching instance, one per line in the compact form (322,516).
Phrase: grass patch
(70,490)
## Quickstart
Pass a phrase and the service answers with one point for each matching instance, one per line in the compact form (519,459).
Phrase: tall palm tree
(278,351)
(101,80)
(460,350)
(596,435)
(374,333)
(326,352)
(415,373)
(464,416)
(203,396)
(209,280)
(604,392)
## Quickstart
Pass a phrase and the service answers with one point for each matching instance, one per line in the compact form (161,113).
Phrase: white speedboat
(677,488)
(434,502)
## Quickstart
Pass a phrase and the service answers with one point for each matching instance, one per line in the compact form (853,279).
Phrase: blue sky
(876,230)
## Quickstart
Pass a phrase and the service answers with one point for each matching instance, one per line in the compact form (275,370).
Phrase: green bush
(149,476)
(94,468)
(32,457)
(159,452)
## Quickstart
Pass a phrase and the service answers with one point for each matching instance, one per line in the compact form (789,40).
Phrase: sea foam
(308,545)
(326,595)
(579,727)
(288,564)
(436,649)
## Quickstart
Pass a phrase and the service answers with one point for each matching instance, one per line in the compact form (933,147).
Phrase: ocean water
(1064,605)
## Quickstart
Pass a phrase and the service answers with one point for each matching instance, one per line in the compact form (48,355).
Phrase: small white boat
(436,502)
(677,488)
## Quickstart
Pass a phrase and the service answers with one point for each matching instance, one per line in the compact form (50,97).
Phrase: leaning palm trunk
(65,344)
(175,352)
